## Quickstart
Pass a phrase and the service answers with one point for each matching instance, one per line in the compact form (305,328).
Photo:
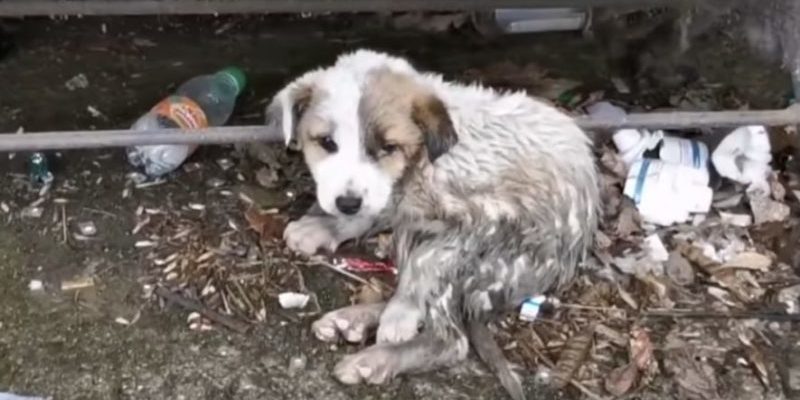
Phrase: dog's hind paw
(310,233)
(351,323)
(372,365)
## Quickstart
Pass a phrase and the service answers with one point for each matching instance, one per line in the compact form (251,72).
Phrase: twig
(191,305)
(683,313)
(350,275)
(101,212)
(64,221)
(550,364)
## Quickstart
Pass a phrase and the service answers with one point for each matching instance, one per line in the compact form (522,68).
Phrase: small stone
(297,364)
(293,300)
(77,82)
(137,177)
(215,183)
(32,212)
(768,210)
(35,285)
(87,228)
(225,163)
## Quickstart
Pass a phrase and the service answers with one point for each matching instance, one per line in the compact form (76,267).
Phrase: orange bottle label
(182,111)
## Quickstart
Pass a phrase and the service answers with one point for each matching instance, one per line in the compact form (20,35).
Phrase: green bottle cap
(237,76)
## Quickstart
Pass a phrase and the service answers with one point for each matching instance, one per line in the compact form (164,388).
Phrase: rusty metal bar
(20,8)
(238,134)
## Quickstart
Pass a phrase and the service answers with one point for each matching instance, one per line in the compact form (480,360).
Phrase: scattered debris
(362,265)
(269,225)
(224,320)
(296,365)
(77,284)
(293,300)
(35,285)
(678,269)
(530,308)
(79,81)
(765,209)
(573,356)
(39,168)
(87,228)
(32,212)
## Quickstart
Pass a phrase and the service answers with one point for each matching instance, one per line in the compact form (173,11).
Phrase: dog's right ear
(286,109)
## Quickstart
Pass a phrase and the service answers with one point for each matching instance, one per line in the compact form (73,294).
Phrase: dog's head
(359,126)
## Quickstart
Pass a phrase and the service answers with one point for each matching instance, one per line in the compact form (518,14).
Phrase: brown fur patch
(403,122)
(430,115)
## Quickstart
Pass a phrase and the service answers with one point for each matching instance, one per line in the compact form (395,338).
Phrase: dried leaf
(749,260)
(696,379)
(628,221)
(269,226)
(696,256)
(641,349)
(678,269)
(612,162)
(572,357)
(759,364)
(622,379)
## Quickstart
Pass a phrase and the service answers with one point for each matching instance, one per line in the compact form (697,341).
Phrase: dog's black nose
(348,205)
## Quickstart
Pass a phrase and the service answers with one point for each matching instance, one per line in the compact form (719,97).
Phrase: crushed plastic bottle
(744,156)
(203,101)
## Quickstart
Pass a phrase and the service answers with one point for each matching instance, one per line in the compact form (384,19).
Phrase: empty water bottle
(201,102)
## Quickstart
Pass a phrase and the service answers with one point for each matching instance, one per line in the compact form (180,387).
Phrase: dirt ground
(107,341)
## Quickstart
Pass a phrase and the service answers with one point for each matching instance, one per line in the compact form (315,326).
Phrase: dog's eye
(328,144)
(388,149)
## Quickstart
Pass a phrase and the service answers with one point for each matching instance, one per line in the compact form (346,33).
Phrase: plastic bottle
(200,102)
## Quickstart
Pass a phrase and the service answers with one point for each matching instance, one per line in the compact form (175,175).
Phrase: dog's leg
(380,363)
(351,323)
(400,321)
(317,230)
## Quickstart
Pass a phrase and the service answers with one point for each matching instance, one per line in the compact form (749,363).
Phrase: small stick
(683,313)
(64,221)
(191,305)
(549,363)
(349,275)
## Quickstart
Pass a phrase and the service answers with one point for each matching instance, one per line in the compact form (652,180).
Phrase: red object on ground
(362,265)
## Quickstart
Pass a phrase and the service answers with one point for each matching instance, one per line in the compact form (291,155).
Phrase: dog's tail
(490,353)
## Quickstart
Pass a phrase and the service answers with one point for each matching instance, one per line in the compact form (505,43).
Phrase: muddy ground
(71,345)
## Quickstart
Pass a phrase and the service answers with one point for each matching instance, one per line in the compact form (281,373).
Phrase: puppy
(492,198)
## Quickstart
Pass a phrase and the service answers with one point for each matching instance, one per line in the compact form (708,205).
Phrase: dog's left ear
(286,109)
(432,118)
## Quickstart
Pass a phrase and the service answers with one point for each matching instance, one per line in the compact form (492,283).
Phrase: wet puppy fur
(493,198)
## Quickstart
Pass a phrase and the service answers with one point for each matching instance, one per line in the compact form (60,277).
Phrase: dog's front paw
(351,323)
(310,233)
(400,322)
(372,365)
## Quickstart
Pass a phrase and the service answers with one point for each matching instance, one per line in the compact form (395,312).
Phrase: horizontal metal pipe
(19,8)
(239,134)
